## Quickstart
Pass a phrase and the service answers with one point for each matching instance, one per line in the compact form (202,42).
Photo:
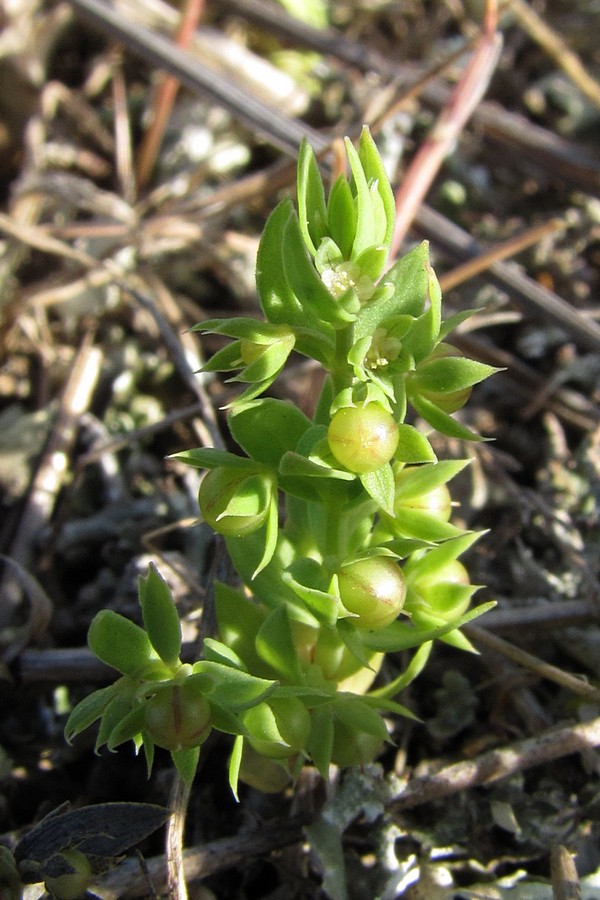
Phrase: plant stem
(180,795)
(341,373)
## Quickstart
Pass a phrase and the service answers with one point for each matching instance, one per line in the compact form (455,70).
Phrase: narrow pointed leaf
(119,642)
(161,619)
(312,210)
(380,486)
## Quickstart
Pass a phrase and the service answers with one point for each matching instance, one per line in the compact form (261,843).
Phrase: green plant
(338,525)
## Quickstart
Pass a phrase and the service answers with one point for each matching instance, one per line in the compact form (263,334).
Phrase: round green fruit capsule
(354,748)
(436,502)
(447,401)
(178,717)
(431,603)
(235,502)
(363,438)
(374,589)
(263,774)
(278,728)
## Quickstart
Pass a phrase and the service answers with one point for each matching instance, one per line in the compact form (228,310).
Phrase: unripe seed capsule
(447,401)
(374,589)
(289,718)
(178,717)
(251,491)
(363,438)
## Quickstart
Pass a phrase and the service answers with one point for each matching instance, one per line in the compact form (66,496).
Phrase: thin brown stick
(565,880)
(527,294)
(496,764)
(464,99)
(37,237)
(556,48)
(123,148)
(165,97)
(533,663)
(52,468)
(180,795)
(505,250)
(198,863)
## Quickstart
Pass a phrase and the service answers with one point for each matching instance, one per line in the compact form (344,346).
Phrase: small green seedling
(339,524)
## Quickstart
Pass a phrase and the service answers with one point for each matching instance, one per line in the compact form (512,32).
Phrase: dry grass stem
(534,664)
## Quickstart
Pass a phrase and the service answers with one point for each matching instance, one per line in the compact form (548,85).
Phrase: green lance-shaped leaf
(224,360)
(379,485)
(320,741)
(359,732)
(235,761)
(412,671)
(244,328)
(275,645)
(341,214)
(431,561)
(210,458)
(377,176)
(265,361)
(119,642)
(442,421)
(366,227)
(278,301)
(161,619)
(266,429)
(418,480)
(186,763)
(413,447)
(425,333)
(421,525)
(306,283)
(127,728)
(449,374)
(89,710)
(402,635)
(308,580)
(312,210)
(357,714)
(117,710)
(409,279)
(231,688)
